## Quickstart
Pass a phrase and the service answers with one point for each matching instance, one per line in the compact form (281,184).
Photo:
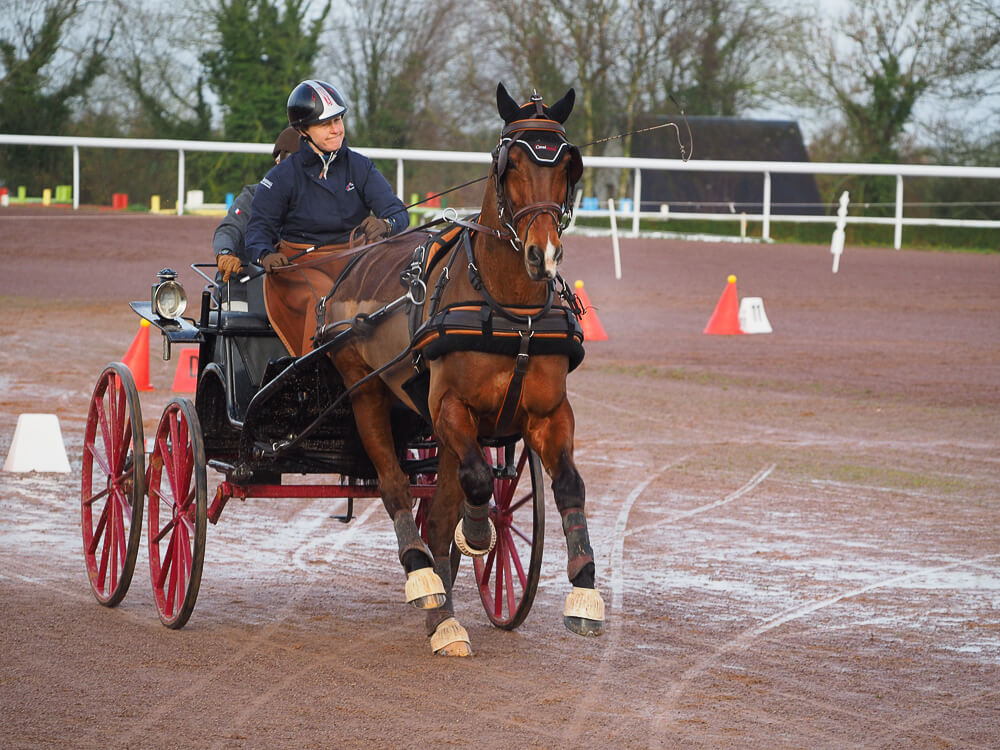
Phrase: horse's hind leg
(371,403)
(552,439)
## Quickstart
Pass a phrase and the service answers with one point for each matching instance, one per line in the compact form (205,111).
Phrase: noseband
(543,153)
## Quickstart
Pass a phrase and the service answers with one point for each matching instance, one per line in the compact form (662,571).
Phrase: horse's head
(535,171)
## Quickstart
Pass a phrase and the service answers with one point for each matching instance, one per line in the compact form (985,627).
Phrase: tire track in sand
(336,539)
(747,638)
(595,694)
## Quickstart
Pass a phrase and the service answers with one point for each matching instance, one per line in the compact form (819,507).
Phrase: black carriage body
(251,433)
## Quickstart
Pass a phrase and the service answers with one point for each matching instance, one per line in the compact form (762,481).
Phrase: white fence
(763,168)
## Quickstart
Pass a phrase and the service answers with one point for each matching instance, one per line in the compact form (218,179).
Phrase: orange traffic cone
(589,322)
(137,358)
(186,376)
(725,320)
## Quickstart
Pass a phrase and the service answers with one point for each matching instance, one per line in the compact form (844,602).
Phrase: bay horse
(505,263)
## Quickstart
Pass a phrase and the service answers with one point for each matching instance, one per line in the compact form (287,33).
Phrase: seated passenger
(229,241)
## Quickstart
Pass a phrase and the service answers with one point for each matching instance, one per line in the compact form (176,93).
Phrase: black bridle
(545,154)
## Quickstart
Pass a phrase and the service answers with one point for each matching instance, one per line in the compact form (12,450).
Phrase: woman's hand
(373,229)
(273,260)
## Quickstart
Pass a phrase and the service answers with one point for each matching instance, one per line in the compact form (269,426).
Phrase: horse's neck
(500,266)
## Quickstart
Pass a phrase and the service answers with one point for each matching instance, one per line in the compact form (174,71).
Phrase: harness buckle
(521,360)
(417,284)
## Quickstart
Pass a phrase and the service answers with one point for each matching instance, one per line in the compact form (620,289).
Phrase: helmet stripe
(330,106)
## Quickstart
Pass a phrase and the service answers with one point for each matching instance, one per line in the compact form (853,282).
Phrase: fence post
(636,193)
(399,178)
(180,182)
(76,177)
(897,240)
(614,239)
(766,228)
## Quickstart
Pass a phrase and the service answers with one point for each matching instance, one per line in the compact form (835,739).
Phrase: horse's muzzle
(542,263)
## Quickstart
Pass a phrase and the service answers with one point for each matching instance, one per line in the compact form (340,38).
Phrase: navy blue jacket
(292,203)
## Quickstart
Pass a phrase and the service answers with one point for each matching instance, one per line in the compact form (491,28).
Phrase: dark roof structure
(728,138)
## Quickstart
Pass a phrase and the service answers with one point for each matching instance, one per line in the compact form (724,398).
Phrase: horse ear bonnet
(561,109)
(545,146)
(506,106)
(510,111)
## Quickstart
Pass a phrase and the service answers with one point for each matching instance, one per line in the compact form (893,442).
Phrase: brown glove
(373,229)
(228,264)
(273,260)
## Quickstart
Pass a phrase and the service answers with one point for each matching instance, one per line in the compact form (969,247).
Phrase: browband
(533,123)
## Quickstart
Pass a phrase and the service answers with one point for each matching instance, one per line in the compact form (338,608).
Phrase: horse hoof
(464,546)
(450,639)
(424,589)
(584,612)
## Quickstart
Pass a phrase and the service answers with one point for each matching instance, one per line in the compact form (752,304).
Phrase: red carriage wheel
(507,576)
(178,512)
(429,479)
(112,484)
(425,479)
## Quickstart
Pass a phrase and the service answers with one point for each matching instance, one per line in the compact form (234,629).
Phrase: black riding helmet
(314,101)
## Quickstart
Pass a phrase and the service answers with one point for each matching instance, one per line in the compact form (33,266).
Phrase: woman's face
(328,135)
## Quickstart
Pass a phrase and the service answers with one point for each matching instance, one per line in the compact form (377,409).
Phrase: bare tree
(869,73)
(395,58)
(51,54)
(628,57)
(716,57)
(157,60)
(550,45)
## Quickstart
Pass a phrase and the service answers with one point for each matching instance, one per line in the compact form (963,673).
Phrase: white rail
(637,165)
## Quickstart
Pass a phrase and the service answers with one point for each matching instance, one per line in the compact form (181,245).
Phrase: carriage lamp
(167,296)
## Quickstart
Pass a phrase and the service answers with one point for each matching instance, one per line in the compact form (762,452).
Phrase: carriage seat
(239,322)
(242,307)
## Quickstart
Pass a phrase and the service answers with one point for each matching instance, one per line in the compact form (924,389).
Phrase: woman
(324,191)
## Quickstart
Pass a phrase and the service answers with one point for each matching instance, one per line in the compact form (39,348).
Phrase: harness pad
(473,326)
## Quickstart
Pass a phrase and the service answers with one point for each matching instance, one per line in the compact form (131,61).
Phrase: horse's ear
(561,109)
(506,106)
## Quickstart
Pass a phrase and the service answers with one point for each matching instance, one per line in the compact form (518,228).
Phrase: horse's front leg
(456,428)
(372,405)
(551,437)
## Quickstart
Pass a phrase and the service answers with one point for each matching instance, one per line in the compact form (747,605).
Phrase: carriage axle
(228,490)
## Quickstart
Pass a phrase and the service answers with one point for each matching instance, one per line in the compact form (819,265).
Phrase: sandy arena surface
(797,534)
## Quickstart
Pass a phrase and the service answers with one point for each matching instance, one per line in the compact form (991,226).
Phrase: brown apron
(291,293)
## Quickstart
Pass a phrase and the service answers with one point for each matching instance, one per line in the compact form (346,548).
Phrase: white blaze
(551,266)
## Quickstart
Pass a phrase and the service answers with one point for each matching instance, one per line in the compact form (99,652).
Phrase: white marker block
(37,445)
(752,317)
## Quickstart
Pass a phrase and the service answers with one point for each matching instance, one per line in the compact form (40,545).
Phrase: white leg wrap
(464,545)
(424,589)
(585,603)
(451,639)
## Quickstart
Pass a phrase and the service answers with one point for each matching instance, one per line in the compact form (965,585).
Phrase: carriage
(239,358)
(444,401)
